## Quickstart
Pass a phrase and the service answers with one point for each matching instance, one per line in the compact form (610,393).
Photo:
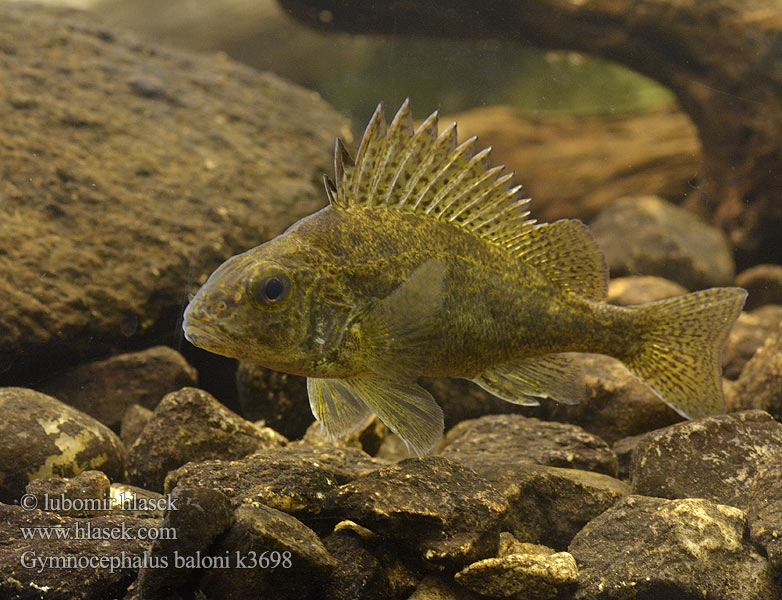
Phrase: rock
(617,405)
(749,333)
(369,437)
(279,399)
(132,501)
(629,291)
(760,383)
(82,567)
(648,236)
(437,587)
(42,437)
(180,131)
(510,545)
(764,511)
(133,422)
(764,284)
(521,576)
(85,495)
(190,425)
(358,574)
(442,510)
(294,479)
(107,388)
(624,449)
(576,166)
(547,505)
(196,517)
(282,558)
(715,458)
(514,438)
(651,548)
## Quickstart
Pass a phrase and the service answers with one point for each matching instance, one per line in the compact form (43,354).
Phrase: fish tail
(680,347)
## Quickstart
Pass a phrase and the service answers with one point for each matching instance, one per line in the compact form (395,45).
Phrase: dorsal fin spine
(367,155)
(426,131)
(397,137)
(447,145)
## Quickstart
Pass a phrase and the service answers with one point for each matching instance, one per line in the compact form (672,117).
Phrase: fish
(425,262)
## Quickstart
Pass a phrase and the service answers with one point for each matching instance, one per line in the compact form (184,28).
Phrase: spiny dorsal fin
(404,169)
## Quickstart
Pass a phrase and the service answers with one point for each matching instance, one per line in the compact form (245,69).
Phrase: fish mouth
(204,337)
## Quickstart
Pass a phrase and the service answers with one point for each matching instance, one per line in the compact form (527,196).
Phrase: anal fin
(553,376)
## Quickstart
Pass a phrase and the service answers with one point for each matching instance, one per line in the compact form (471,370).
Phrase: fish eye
(272,290)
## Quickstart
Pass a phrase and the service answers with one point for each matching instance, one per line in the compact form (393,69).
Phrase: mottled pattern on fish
(426,262)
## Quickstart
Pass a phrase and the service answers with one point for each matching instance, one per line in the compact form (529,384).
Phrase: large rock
(716,458)
(764,511)
(41,437)
(190,425)
(760,384)
(129,173)
(649,236)
(521,576)
(273,555)
(521,439)
(653,549)
(749,332)
(80,565)
(105,389)
(294,479)
(196,517)
(443,511)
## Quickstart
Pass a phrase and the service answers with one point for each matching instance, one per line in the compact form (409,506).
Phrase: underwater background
(144,143)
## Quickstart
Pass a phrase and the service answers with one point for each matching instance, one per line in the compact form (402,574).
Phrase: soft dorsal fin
(399,168)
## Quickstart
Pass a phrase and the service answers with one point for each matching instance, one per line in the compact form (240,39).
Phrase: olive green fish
(425,262)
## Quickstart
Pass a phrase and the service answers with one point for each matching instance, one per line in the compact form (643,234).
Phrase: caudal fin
(680,353)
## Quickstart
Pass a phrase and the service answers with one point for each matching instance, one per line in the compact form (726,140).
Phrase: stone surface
(70,568)
(190,425)
(764,284)
(42,437)
(129,173)
(629,291)
(369,437)
(133,422)
(443,511)
(521,576)
(438,587)
(298,564)
(132,501)
(617,405)
(760,383)
(547,505)
(764,510)
(648,236)
(279,399)
(85,495)
(358,573)
(652,548)
(521,439)
(294,479)
(198,516)
(107,388)
(624,449)
(716,458)
(749,332)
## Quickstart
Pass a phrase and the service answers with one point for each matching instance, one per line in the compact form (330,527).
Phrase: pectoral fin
(552,375)
(397,331)
(336,407)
